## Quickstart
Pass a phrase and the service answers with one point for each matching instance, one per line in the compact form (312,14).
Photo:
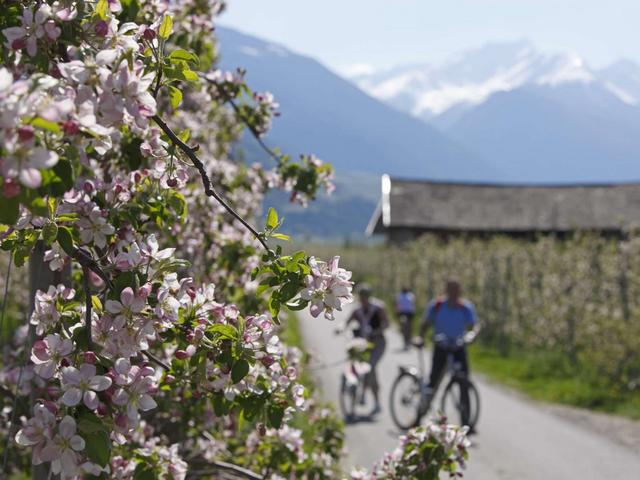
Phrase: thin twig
(208,187)
(156,360)
(276,156)
(256,135)
(5,298)
(229,467)
(88,305)
(85,259)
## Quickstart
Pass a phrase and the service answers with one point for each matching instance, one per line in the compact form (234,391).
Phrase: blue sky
(343,33)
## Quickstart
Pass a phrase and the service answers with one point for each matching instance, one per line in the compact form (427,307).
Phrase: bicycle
(352,382)
(411,397)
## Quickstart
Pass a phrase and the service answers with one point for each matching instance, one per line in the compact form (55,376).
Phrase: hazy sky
(342,33)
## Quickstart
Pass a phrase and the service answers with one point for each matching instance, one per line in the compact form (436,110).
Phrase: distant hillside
(327,115)
(579,133)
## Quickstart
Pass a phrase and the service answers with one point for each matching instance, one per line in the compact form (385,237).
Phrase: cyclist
(371,319)
(405,310)
(453,319)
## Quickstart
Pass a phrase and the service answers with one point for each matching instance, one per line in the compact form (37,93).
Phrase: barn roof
(475,207)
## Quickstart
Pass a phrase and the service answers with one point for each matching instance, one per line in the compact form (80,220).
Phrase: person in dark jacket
(372,319)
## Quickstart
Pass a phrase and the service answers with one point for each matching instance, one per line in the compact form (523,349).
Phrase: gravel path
(518,439)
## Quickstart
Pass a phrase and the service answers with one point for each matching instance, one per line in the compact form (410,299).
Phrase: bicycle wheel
(348,397)
(405,401)
(455,408)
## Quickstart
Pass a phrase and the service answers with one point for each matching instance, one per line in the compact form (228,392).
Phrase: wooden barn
(410,208)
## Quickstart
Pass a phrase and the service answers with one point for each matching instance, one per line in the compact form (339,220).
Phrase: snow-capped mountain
(469,79)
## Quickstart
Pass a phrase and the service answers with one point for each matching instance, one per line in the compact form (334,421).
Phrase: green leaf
(102,9)
(224,331)
(179,205)
(43,124)
(96,437)
(64,170)
(89,423)
(52,204)
(275,415)
(49,232)
(184,55)
(220,406)
(272,219)
(181,71)
(65,239)
(10,210)
(166,27)
(301,305)
(281,236)
(97,304)
(144,472)
(175,96)
(185,135)
(239,370)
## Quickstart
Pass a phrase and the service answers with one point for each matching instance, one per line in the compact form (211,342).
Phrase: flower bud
(10,188)
(25,133)
(169,378)
(267,360)
(18,44)
(145,290)
(90,357)
(181,354)
(70,127)
(101,29)
(102,410)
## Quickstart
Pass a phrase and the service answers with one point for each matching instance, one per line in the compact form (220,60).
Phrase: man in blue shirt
(454,322)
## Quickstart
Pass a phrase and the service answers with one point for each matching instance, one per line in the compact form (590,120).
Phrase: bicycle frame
(421,372)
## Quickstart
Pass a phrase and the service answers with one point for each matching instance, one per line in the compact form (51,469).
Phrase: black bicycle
(354,372)
(411,396)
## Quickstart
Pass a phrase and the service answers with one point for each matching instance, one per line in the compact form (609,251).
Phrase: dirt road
(517,439)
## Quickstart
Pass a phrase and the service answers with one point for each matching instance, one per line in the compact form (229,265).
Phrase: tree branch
(156,360)
(88,303)
(277,157)
(208,187)
(85,259)
(228,467)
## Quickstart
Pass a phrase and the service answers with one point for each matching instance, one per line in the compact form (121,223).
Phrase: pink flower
(25,163)
(47,353)
(136,383)
(128,305)
(56,258)
(82,385)
(95,228)
(153,251)
(37,431)
(33,28)
(328,287)
(62,450)
(45,313)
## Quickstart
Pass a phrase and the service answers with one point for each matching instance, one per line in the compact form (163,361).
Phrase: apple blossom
(46,354)
(82,385)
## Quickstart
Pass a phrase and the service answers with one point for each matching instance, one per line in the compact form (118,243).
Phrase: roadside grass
(546,376)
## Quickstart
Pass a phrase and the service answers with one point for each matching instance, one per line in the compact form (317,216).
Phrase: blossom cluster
(161,346)
(423,452)
(328,287)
